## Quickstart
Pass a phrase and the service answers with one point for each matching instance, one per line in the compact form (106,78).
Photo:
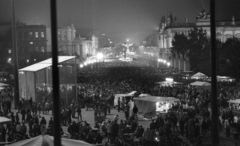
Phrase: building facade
(34,43)
(168,28)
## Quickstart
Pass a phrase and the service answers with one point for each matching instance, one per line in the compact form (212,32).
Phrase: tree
(229,58)
(180,45)
(195,46)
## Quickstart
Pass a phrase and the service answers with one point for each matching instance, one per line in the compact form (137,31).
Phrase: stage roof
(46,63)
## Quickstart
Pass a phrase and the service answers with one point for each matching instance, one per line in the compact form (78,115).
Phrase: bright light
(27,60)
(9,60)
(85,63)
(159,60)
(100,56)
(169,79)
(168,64)
(81,65)
(127,40)
(164,61)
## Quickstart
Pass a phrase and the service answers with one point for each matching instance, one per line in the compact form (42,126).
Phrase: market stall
(123,97)
(199,75)
(4,120)
(149,106)
(169,82)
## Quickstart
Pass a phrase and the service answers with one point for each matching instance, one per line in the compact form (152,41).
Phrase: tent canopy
(3,84)
(158,99)
(167,83)
(126,95)
(234,101)
(143,95)
(46,63)
(4,120)
(46,140)
(199,76)
(198,83)
(147,105)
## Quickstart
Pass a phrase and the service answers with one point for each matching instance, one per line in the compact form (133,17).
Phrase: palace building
(169,27)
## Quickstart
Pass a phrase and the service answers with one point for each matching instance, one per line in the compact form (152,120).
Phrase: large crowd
(96,90)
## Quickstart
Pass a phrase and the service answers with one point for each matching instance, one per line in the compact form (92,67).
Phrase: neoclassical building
(168,28)
(37,38)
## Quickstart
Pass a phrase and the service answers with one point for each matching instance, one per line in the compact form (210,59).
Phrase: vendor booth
(235,102)
(149,106)
(168,82)
(201,85)
(199,75)
(225,79)
(35,81)
(123,97)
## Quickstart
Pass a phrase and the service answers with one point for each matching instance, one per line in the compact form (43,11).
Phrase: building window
(42,34)
(25,35)
(36,34)
(42,49)
(30,34)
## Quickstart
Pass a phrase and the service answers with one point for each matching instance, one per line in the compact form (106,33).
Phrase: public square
(139,72)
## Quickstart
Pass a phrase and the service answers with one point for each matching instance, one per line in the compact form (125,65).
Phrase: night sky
(119,19)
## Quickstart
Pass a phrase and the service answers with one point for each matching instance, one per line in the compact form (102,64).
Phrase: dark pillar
(15,58)
(214,105)
(55,74)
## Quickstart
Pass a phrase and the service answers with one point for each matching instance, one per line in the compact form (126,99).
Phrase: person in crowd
(135,109)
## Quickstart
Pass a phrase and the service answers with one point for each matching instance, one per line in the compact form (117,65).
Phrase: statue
(203,15)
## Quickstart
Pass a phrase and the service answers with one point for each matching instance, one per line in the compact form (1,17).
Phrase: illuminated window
(42,34)
(36,34)
(30,34)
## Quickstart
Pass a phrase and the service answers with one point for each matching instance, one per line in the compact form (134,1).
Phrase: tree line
(195,46)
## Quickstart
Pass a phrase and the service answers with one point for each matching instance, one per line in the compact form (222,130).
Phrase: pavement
(89,117)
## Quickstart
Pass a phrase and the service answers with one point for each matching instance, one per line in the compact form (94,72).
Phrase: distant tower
(93,16)
(233,20)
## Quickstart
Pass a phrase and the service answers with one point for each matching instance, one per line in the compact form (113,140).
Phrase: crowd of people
(96,89)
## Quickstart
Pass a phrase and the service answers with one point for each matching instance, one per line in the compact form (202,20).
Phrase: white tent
(3,84)
(225,79)
(4,120)
(143,95)
(121,96)
(199,76)
(234,101)
(198,83)
(167,83)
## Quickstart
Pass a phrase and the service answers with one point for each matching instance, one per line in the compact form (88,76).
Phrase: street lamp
(100,56)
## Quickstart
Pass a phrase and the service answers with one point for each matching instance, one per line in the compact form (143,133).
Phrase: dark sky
(119,19)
